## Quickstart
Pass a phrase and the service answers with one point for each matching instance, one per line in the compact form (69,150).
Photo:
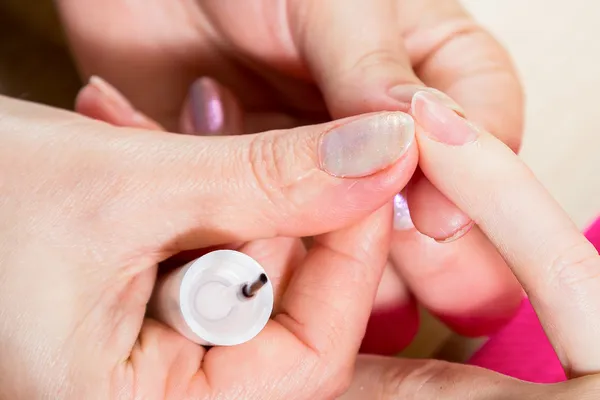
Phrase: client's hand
(557,266)
(89,210)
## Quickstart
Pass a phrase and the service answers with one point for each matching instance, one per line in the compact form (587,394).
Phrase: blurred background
(554,44)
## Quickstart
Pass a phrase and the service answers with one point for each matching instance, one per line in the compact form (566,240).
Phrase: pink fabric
(521,349)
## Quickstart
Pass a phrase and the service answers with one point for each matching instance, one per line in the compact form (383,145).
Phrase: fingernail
(206,108)
(402,219)
(366,145)
(460,232)
(111,95)
(441,123)
(405,94)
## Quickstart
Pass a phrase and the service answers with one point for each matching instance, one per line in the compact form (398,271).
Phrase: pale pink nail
(440,122)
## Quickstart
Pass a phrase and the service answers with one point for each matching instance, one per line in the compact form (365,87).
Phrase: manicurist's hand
(557,266)
(89,210)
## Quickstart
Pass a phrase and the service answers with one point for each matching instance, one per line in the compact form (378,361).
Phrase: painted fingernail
(206,108)
(110,95)
(366,145)
(405,94)
(402,219)
(457,234)
(441,123)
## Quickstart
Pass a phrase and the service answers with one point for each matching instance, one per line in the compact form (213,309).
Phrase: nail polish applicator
(223,298)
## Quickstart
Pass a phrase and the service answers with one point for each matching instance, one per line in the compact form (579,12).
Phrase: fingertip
(101,101)
(433,214)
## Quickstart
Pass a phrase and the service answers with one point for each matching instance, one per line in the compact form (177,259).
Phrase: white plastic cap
(203,300)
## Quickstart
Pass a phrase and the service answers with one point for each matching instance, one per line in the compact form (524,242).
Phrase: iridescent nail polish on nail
(366,145)
(402,219)
(206,107)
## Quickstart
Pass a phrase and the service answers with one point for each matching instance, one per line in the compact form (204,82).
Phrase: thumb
(300,182)
(356,52)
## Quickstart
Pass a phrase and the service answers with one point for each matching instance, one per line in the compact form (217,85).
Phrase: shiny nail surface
(366,145)
(441,123)
(206,107)
(405,94)
(402,219)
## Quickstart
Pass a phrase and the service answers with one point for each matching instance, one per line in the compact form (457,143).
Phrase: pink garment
(521,349)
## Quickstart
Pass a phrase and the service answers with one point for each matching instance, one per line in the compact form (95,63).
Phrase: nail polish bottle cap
(218,304)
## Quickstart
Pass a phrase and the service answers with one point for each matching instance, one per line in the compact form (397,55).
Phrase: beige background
(556,47)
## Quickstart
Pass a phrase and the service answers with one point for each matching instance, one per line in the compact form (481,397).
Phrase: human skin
(89,214)
(556,264)
(296,62)
(391,378)
(89,211)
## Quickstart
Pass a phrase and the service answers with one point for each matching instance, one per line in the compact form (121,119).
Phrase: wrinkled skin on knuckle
(578,264)
(277,167)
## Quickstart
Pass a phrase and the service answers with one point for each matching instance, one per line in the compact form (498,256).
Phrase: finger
(433,214)
(457,56)
(394,320)
(211,109)
(557,266)
(392,378)
(100,100)
(325,308)
(368,69)
(465,283)
(279,257)
(459,277)
(309,180)
(359,62)
(360,252)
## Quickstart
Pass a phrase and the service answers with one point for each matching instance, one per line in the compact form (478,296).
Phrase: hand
(554,262)
(296,62)
(89,210)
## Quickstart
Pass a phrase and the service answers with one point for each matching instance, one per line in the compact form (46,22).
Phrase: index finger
(456,55)
(558,267)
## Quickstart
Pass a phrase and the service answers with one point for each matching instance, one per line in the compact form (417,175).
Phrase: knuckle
(422,381)
(576,265)
(269,160)
(374,63)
